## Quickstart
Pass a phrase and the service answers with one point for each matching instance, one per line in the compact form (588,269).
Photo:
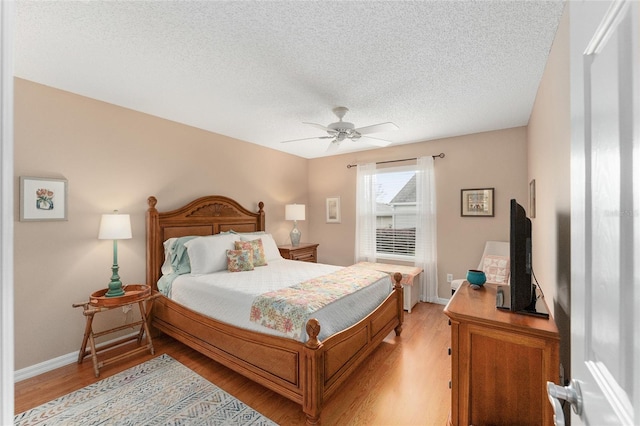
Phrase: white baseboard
(52,364)
(438,301)
(45,366)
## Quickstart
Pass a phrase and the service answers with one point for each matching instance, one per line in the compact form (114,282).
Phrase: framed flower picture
(42,199)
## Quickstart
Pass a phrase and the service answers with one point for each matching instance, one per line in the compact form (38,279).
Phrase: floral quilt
(288,309)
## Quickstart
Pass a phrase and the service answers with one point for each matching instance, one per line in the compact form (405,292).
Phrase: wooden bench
(410,280)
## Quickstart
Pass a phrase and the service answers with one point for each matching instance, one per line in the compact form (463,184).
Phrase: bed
(307,371)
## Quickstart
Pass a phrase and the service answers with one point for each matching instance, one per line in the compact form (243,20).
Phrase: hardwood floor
(404,382)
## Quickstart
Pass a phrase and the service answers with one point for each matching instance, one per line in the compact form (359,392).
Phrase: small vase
(476,277)
(44,204)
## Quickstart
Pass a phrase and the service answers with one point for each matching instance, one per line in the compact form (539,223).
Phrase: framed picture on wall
(476,202)
(42,199)
(333,210)
(532,199)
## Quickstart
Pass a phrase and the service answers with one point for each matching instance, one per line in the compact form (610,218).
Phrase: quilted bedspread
(288,309)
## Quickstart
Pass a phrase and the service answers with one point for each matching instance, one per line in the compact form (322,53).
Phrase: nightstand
(98,302)
(304,251)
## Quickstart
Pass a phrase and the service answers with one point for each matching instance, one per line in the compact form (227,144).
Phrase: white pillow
(209,254)
(271,251)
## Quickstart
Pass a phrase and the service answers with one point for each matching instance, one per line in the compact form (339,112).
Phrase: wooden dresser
(304,251)
(500,362)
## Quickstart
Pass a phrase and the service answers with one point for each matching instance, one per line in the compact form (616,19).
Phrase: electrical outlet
(449,278)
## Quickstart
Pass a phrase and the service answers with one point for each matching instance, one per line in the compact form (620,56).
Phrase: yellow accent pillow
(257,248)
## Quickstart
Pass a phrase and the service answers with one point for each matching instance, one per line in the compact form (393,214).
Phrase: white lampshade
(294,212)
(115,227)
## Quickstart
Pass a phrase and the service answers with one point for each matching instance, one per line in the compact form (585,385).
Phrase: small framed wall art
(333,210)
(42,199)
(532,199)
(476,202)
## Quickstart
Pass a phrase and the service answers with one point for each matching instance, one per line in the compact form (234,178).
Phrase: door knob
(570,393)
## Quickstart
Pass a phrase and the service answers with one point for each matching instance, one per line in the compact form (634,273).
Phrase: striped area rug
(160,391)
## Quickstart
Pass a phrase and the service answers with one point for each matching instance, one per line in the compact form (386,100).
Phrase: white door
(605,212)
(6,212)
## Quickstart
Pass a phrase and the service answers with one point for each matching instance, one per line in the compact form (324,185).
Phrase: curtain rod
(441,155)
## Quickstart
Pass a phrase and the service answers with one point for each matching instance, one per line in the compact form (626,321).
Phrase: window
(395,212)
(396,218)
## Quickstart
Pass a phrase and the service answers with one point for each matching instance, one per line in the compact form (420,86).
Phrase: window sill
(396,257)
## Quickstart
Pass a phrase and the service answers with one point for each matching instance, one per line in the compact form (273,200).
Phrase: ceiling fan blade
(333,146)
(377,141)
(306,139)
(321,127)
(382,127)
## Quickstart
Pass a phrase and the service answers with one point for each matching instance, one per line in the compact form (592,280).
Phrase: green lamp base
(115,285)
(115,291)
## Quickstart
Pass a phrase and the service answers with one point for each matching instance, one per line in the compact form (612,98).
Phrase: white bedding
(227,296)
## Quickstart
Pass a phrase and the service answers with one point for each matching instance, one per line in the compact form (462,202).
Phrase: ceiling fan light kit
(341,130)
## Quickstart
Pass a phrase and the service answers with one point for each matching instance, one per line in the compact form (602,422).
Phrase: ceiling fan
(343,130)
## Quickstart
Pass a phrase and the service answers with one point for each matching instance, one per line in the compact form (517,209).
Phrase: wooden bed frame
(307,373)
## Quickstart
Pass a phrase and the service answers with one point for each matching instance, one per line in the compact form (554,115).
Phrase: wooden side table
(134,293)
(305,252)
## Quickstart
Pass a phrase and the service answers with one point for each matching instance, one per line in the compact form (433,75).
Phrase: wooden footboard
(306,373)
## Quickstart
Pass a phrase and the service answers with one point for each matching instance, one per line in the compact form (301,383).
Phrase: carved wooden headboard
(204,216)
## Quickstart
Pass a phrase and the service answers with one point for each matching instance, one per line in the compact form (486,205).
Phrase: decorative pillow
(497,269)
(271,251)
(256,247)
(239,260)
(209,254)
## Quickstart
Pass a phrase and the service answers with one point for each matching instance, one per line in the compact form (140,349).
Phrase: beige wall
(115,158)
(495,159)
(549,138)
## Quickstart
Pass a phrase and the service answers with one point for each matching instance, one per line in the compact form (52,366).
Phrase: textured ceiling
(256,71)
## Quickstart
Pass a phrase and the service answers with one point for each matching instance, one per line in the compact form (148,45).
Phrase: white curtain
(426,241)
(366,213)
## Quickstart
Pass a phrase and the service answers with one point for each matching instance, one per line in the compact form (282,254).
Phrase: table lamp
(294,212)
(115,227)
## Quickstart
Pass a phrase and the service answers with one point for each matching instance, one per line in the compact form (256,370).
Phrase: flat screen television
(520,295)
